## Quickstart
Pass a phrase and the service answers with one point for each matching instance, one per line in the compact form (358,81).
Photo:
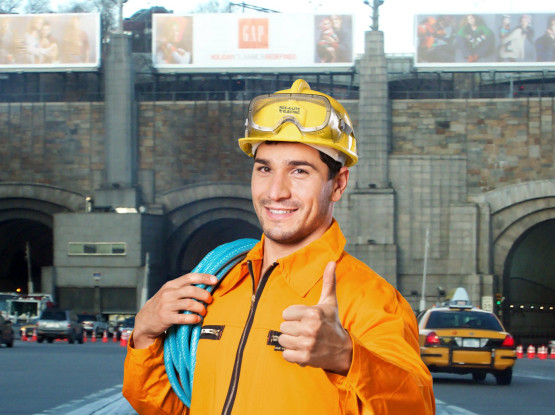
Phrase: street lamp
(374,4)
(120,16)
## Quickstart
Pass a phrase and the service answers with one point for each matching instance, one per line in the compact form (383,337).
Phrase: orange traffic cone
(84,336)
(123,341)
(531,352)
(542,352)
(93,337)
(519,352)
(24,336)
(552,355)
(105,337)
(34,338)
(114,338)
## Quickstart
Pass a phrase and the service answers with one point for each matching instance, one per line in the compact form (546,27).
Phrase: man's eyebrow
(261,161)
(289,163)
(301,163)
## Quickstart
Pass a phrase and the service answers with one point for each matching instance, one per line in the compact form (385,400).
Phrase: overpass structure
(116,193)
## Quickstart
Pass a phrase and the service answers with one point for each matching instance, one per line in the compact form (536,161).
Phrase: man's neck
(274,251)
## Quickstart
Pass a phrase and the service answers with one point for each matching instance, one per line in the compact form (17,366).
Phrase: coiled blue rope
(180,345)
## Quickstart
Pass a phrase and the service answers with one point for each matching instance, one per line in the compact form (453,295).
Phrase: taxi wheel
(504,377)
(479,376)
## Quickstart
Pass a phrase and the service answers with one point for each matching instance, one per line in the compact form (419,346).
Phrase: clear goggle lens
(310,113)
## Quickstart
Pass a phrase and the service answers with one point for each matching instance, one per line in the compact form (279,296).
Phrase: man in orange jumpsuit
(299,326)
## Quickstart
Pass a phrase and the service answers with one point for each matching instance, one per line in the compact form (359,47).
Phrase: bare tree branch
(9,6)
(37,6)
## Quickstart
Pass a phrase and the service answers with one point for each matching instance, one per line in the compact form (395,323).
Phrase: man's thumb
(328,295)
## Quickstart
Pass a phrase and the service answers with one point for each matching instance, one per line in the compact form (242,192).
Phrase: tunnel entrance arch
(204,216)
(211,235)
(529,285)
(26,232)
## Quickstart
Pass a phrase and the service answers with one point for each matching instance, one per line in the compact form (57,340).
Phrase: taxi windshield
(462,319)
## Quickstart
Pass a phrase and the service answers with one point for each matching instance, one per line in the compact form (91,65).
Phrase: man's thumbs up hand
(328,295)
(313,335)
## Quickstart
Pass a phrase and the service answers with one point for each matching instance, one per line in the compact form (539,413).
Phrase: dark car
(59,324)
(6,332)
(94,325)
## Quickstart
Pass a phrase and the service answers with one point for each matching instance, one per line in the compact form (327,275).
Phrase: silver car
(59,324)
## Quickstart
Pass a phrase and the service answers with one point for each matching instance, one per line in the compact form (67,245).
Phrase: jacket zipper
(232,391)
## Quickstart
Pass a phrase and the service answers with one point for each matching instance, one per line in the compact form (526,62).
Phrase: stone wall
(58,144)
(504,141)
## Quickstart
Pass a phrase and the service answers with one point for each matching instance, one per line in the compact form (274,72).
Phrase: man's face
(291,193)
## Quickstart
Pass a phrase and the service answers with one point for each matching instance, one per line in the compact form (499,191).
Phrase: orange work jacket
(250,376)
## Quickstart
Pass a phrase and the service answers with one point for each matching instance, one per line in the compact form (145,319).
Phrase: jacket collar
(303,268)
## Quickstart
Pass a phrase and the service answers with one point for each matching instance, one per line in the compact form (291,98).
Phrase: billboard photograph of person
(334,38)
(491,40)
(436,39)
(49,41)
(475,40)
(7,56)
(517,44)
(545,44)
(173,40)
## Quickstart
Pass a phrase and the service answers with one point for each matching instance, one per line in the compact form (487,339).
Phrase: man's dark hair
(333,166)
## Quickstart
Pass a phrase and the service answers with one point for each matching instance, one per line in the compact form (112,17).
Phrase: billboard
(49,42)
(508,41)
(205,42)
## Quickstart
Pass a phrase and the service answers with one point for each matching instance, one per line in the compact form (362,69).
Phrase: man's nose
(279,187)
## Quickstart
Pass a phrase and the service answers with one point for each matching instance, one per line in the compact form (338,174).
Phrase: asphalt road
(85,379)
(40,377)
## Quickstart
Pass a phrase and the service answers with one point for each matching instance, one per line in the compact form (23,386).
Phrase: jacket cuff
(342,382)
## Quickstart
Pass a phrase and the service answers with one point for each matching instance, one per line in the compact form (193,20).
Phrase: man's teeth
(279,212)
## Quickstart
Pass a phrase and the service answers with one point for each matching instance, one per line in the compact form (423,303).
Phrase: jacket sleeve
(387,375)
(145,382)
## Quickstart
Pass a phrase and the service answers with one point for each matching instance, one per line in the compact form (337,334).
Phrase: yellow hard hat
(301,115)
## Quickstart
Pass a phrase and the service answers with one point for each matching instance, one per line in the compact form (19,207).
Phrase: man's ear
(340,184)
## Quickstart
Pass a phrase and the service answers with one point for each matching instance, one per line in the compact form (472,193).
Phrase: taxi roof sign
(460,299)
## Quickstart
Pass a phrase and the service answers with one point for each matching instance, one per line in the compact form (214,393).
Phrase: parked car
(93,324)
(459,338)
(6,332)
(59,324)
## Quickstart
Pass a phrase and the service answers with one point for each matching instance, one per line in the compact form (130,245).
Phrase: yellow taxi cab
(459,338)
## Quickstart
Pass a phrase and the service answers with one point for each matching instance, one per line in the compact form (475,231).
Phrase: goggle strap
(346,128)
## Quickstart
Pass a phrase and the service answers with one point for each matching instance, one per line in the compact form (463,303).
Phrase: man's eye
(300,171)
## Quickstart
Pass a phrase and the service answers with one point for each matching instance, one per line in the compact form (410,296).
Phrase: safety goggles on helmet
(311,114)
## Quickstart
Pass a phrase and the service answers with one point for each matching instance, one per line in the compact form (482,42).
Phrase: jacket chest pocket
(211,332)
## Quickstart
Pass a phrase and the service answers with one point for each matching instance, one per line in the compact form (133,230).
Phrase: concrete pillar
(374,117)
(120,126)
(371,213)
